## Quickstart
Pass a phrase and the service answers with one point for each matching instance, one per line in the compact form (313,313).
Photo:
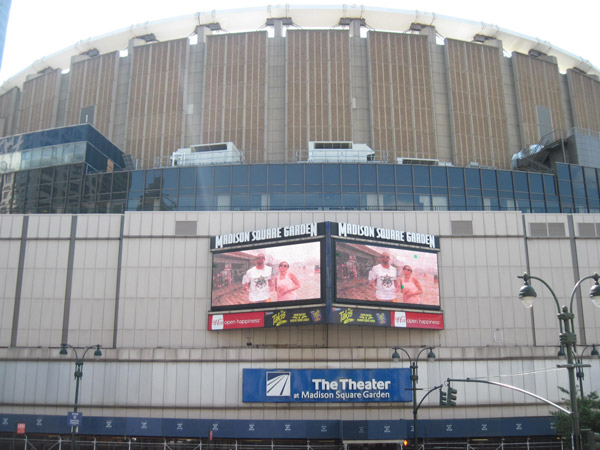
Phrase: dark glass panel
(262,188)
(389,201)
(61,174)
(295,174)
(105,183)
(152,180)
(314,188)
(592,192)
(234,190)
(385,174)
(520,180)
(75,171)
(491,204)
(404,175)
(240,175)
(34,176)
(488,193)
(405,201)
(331,174)
(134,204)
(222,190)
(170,179)
(368,175)
(385,188)
(439,177)
(204,179)
(504,180)
(488,179)
(276,188)
(578,189)
(313,173)
(295,188)
(474,203)
(119,196)
(421,175)
(120,181)
(223,176)
(368,188)
(349,174)
(457,191)
(456,177)
(458,203)
(258,174)
(276,173)
(422,190)
(47,175)
(59,190)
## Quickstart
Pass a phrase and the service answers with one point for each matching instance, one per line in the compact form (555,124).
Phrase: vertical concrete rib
(69,280)
(19,284)
(118,282)
(576,276)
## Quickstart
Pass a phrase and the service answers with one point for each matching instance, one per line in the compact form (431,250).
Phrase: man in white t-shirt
(384,279)
(258,281)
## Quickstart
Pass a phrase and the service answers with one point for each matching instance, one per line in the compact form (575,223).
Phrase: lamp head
(97,352)
(63,350)
(395,355)
(430,355)
(561,352)
(527,294)
(594,351)
(595,292)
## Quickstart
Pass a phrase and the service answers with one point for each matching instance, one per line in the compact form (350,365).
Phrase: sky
(39,28)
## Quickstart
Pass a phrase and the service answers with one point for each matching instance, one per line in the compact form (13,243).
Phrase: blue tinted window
(258,174)
(549,184)
(313,173)
(456,177)
(421,175)
(204,178)
(295,173)
(331,174)
(368,175)
(170,180)
(295,201)
(239,175)
(562,171)
(314,200)
(488,179)
(276,174)
(403,175)
(535,183)
(350,201)
(439,177)
(577,174)
(223,176)
(590,175)
(578,189)
(187,177)
(520,180)
(472,178)
(349,174)
(332,200)
(385,174)
(504,180)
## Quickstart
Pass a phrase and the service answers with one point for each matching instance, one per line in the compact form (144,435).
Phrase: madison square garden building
(244,214)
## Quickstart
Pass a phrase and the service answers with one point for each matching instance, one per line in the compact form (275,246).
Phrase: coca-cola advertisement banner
(383,318)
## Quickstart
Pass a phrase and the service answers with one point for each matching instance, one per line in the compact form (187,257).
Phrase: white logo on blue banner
(278,384)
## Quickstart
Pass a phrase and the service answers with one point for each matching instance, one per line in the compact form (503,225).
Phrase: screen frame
(337,301)
(264,306)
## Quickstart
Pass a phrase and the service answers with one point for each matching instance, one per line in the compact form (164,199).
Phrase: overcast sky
(39,28)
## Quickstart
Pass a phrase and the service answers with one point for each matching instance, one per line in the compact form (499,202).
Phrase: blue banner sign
(326,385)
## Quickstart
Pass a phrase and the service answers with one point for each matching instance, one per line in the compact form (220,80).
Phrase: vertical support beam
(19,285)
(118,283)
(69,280)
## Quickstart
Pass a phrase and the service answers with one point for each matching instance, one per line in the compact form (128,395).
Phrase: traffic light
(451,396)
(443,398)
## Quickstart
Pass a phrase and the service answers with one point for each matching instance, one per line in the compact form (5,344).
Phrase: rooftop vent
(207,154)
(422,161)
(339,151)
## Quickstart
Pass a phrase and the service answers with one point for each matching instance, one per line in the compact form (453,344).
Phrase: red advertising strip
(405,319)
(236,320)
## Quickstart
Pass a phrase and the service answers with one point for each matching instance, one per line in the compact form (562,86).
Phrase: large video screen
(267,277)
(386,275)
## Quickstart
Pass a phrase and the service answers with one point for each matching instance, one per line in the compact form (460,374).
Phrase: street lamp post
(568,338)
(78,375)
(414,378)
(580,365)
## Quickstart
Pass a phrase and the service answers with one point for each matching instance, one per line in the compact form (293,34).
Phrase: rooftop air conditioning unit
(422,161)
(207,154)
(339,151)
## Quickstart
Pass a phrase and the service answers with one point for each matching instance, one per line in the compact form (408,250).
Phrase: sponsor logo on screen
(216,322)
(278,384)
(399,319)
(241,320)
